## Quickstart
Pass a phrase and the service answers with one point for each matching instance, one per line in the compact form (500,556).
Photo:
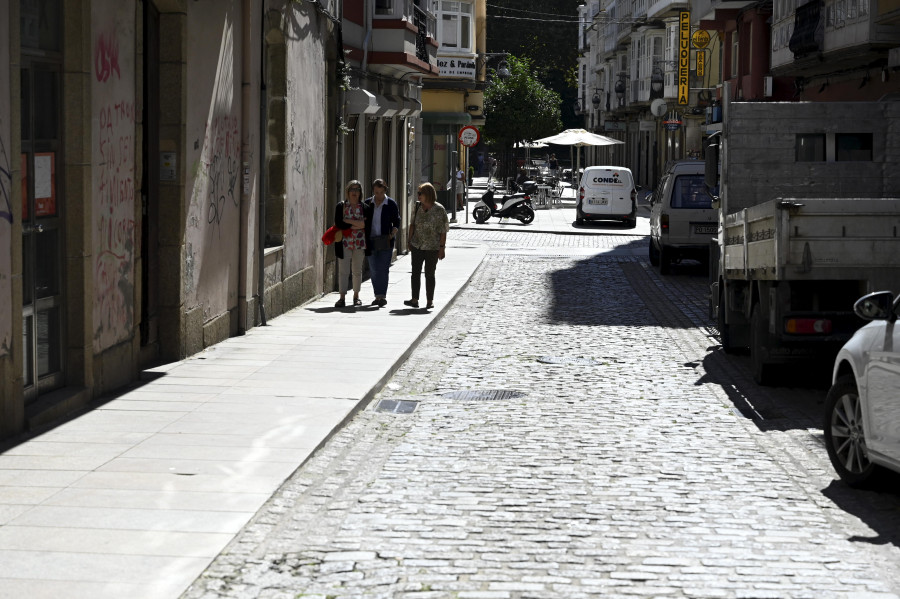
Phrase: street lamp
(620,91)
(502,69)
(656,80)
(597,100)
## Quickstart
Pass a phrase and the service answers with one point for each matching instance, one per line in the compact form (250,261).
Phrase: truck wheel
(724,328)
(665,260)
(654,254)
(763,373)
(845,437)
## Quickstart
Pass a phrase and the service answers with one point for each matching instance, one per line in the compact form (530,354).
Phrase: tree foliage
(547,34)
(519,107)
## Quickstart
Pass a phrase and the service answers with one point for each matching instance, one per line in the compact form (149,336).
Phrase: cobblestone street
(570,428)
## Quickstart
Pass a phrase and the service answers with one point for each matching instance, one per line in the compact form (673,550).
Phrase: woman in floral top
(427,241)
(351,251)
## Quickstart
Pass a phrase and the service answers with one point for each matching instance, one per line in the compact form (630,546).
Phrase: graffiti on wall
(114,189)
(106,57)
(221,167)
(5,181)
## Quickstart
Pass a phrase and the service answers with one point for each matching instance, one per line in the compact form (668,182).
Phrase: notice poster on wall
(45,184)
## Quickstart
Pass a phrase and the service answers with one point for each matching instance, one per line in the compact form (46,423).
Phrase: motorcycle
(517,205)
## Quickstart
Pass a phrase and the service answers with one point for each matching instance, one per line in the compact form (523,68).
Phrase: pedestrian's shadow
(409,311)
(345,309)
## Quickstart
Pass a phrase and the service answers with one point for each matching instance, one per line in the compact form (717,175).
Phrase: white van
(607,193)
(682,219)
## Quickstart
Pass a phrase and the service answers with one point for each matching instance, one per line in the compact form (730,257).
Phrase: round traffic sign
(469,136)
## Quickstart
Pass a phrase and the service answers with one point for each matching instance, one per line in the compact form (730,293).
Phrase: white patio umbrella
(528,145)
(578,138)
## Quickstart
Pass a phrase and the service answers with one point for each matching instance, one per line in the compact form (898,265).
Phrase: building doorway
(43,206)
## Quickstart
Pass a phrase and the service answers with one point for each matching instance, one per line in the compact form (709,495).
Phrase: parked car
(682,219)
(607,193)
(862,409)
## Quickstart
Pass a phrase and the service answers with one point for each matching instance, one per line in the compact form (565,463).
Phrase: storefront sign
(701,63)
(456,67)
(684,55)
(700,39)
(672,125)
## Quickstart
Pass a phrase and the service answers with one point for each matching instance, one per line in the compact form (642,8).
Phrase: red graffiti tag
(106,57)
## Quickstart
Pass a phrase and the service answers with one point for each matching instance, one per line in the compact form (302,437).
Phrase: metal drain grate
(397,406)
(568,360)
(484,394)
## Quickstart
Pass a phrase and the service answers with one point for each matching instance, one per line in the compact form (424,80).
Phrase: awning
(446,118)
(413,107)
(359,101)
(388,106)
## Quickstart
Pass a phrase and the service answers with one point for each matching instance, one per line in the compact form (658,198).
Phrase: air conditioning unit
(767,86)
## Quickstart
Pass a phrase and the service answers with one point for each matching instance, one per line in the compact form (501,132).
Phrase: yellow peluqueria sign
(684,55)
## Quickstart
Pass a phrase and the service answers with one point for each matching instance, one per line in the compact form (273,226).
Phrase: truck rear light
(581,193)
(664,222)
(807,326)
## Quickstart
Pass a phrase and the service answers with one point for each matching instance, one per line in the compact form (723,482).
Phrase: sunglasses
(419,193)
(356,189)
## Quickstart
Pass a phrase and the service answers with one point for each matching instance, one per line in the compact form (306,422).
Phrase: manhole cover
(567,360)
(396,406)
(484,394)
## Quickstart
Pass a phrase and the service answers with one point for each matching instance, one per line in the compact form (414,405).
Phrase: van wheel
(654,254)
(665,260)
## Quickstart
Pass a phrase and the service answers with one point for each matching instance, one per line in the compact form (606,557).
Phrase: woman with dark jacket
(382,217)
(350,214)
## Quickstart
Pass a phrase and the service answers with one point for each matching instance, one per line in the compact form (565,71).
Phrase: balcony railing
(426,26)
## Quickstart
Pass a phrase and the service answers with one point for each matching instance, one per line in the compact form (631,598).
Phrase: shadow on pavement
(878,508)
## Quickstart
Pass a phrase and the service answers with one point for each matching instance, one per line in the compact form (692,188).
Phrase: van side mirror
(711,174)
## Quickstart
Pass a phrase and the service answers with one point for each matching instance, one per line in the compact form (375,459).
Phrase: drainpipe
(246,150)
(365,60)
(263,146)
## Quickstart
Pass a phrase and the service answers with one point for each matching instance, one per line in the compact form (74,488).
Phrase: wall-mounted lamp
(657,81)
(503,68)
(620,91)
(597,100)
(577,106)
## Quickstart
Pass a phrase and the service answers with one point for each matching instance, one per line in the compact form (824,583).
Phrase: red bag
(333,234)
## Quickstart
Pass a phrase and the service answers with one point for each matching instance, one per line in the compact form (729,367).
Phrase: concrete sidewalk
(136,497)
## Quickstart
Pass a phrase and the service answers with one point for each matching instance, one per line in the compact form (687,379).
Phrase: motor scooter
(517,205)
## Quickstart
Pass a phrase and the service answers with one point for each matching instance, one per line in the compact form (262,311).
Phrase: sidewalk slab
(136,497)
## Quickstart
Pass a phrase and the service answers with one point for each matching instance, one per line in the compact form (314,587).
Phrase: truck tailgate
(815,239)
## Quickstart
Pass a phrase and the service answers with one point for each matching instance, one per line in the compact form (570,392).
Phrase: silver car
(862,410)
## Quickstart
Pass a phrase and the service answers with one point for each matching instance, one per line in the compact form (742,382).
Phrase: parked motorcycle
(517,205)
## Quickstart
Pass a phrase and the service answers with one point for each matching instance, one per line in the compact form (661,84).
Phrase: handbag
(333,234)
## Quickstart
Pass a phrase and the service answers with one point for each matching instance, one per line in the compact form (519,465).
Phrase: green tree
(519,108)
(547,34)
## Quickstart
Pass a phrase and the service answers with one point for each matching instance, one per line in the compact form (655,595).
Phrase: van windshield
(690,192)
